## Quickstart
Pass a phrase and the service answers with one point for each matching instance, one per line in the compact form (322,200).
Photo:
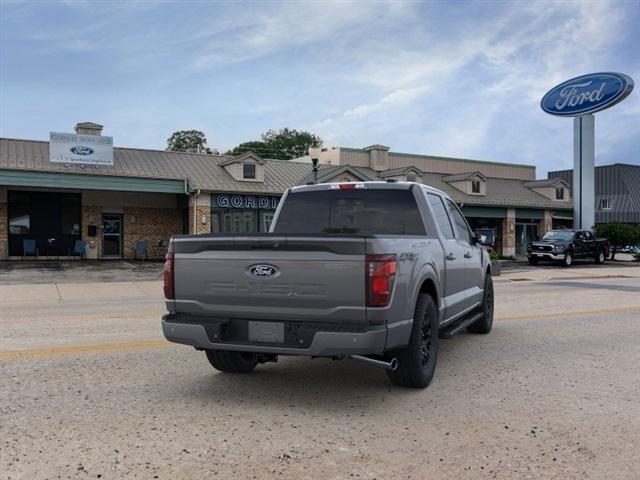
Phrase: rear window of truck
(351,212)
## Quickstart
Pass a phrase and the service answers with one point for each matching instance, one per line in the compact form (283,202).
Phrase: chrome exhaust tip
(390,365)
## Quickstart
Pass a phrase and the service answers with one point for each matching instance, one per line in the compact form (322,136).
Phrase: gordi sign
(80,149)
(587,94)
(580,97)
(239,200)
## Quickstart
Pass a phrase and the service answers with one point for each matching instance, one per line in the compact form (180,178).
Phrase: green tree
(255,146)
(283,144)
(188,141)
(619,234)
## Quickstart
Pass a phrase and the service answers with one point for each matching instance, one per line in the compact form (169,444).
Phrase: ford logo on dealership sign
(78,150)
(263,270)
(587,94)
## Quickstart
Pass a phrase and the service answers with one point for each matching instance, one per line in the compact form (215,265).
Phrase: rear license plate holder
(266,332)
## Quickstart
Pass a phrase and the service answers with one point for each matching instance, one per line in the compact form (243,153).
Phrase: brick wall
(4,225)
(509,233)
(546,223)
(199,210)
(150,224)
(91,215)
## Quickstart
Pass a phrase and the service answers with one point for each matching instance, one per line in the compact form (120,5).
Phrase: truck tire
(600,257)
(567,261)
(417,361)
(232,362)
(484,324)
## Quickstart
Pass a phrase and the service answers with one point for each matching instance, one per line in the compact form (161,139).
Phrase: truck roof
(378,185)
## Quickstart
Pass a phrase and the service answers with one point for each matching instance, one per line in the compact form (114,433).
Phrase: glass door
(525,233)
(111,235)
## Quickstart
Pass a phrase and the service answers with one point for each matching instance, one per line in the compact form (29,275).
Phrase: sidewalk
(525,272)
(86,271)
(78,292)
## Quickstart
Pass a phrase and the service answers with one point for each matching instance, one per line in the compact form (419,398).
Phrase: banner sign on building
(238,200)
(80,149)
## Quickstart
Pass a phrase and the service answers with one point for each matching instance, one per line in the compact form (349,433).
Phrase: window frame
(244,171)
(479,184)
(454,208)
(560,191)
(446,212)
(608,204)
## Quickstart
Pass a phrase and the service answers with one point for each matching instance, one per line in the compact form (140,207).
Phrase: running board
(450,330)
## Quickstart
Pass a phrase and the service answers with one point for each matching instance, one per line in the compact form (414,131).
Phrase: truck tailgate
(272,277)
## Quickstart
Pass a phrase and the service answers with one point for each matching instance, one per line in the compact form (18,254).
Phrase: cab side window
(440,215)
(463,232)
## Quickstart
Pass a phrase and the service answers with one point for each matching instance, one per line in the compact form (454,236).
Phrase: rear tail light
(168,271)
(348,186)
(380,275)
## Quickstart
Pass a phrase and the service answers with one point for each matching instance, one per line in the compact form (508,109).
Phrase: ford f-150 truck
(372,271)
(564,246)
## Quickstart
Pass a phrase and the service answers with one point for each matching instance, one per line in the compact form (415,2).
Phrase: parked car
(629,249)
(564,246)
(372,271)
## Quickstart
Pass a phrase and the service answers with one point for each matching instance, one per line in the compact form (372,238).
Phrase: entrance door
(111,235)
(525,233)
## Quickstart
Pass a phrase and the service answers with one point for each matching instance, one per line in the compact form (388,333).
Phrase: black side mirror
(481,239)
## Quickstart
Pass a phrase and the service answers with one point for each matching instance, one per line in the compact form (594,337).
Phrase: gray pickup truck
(372,271)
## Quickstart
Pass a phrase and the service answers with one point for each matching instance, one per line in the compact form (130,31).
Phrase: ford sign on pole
(587,94)
(580,97)
(80,149)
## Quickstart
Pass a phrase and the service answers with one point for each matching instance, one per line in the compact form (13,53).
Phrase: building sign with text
(240,200)
(80,149)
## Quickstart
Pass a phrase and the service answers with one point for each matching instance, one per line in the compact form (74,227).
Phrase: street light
(314,152)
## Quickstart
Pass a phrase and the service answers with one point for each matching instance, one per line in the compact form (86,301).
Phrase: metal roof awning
(30,178)
(562,215)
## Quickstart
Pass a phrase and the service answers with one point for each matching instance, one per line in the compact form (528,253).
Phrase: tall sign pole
(584,172)
(580,97)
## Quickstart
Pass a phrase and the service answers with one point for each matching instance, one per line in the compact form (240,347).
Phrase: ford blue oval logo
(587,94)
(263,270)
(78,150)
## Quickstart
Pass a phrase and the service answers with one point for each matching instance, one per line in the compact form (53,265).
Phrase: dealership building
(78,187)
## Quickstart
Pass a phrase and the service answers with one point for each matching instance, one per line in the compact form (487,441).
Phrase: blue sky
(460,79)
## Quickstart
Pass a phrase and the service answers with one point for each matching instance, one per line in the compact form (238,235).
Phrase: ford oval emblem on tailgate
(263,270)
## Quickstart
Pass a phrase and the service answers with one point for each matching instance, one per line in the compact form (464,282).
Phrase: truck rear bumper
(324,343)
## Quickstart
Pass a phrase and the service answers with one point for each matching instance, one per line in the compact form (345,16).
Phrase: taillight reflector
(168,273)
(380,275)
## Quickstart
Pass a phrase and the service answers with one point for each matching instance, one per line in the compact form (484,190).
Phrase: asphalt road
(88,389)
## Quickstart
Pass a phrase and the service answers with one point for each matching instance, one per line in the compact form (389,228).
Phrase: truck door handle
(467,255)
(451,256)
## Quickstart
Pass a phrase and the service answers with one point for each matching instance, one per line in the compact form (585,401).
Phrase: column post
(583,172)
(509,233)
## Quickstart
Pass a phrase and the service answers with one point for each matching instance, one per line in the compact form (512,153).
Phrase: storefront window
(241,220)
(19,216)
(70,214)
(51,219)
(240,213)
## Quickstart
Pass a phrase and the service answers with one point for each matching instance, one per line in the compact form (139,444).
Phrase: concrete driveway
(89,389)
